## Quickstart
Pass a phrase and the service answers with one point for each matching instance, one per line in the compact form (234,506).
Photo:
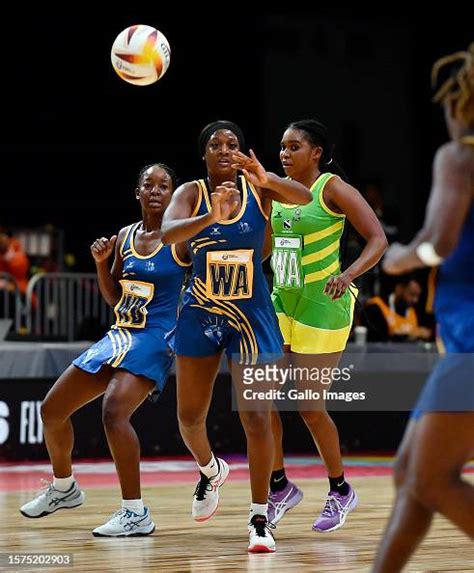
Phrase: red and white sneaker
(206,494)
(260,537)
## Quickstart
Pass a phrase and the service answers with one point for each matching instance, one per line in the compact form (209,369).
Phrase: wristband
(427,254)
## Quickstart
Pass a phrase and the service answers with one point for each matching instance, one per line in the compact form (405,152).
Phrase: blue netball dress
(146,311)
(227,304)
(450,387)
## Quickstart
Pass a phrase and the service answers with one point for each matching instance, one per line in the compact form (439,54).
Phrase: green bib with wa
(305,240)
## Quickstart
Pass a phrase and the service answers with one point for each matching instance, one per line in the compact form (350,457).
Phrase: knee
(427,488)
(400,471)
(312,418)
(112,413)
(256,423)
(190,419)
(51,414)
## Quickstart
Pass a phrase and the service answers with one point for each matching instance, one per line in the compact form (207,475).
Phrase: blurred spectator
(394,317)
(13,260)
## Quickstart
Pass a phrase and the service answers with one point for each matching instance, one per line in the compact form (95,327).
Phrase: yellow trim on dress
(322,254)
(199,240)
(236,315)
(174,254)
(241,212)
(285,323)
(322,274)
(207,243)
(199,199)
(110,334)
(321,199)
(257,197)
(127,233)
(316,236)
(127,346)
(143,257)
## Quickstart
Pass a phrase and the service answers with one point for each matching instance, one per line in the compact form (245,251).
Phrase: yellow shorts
(304,332)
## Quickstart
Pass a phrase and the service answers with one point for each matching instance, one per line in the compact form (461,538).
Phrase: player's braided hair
(458,86)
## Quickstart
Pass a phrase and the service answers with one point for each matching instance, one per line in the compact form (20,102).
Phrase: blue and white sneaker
(51,500)
(126,523)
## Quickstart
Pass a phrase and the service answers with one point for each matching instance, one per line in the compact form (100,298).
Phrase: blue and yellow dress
(227,304)
(450,387)
(147,310)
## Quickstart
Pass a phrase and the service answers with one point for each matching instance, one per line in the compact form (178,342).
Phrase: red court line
(12,481)
(30,480)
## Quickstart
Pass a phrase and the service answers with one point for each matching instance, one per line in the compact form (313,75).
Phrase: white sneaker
(260,537)
(126,523)
(51,500)
(206,494)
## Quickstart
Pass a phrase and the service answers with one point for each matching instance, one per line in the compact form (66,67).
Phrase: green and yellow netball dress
(306,244)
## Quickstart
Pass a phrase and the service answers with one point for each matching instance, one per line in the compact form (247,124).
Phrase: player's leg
(284,494)
(256,419)
(73,389)
(439,444)
(341,499)
(124,394)
(277,430)
(410,520)
(445,444)
(195,376)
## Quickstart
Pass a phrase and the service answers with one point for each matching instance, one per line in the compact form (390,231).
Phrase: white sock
(135,505)
(63,484)
(211,469)
(258,509)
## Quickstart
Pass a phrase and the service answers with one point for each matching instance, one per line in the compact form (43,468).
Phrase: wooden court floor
(181,545)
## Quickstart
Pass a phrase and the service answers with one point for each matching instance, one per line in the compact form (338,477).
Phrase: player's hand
(394,261)
(224,201)
(337,286)
(251,167)
(102,248)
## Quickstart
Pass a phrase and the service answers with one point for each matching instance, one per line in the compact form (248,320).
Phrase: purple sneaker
(279,502)
(335,511)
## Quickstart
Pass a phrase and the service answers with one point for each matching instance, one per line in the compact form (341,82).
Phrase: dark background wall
(21,432)
(74,136)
